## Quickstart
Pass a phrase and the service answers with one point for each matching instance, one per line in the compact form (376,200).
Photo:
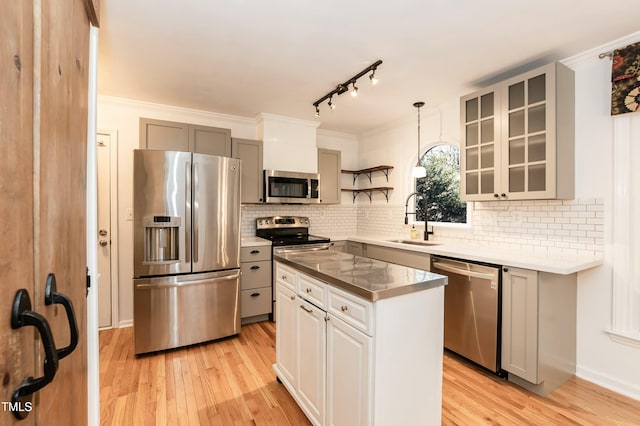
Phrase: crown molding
(207,115)
(590,54)
(335,134)
(263,116)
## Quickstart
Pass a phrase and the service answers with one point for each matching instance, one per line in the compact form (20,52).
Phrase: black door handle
(22,315)
(51,296)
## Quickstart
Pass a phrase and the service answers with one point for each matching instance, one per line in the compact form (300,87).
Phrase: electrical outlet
(128,214)
(516,217)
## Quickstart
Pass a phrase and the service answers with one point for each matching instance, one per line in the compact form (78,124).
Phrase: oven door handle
(297,250)
(465,272)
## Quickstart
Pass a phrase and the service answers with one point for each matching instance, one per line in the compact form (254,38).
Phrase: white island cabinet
(351,360)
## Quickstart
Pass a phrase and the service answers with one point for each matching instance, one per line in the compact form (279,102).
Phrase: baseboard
(630,390)
(126,323)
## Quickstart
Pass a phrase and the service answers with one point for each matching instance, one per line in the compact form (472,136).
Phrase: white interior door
(103,158)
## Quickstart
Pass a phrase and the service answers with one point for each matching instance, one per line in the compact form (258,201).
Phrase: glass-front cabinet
(480,157)
(518,138)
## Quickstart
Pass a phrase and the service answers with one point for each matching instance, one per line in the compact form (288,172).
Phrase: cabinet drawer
(312,290)
(256,301)
(255,274)
(252,254)
(352,310)
(285,275)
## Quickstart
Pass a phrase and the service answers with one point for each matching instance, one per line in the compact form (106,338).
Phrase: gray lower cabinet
(355,248)
(174,136)
(329,168)
(250,152)
(255,284)
(538,328)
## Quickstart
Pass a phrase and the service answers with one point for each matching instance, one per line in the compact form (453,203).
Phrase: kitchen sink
(417,242)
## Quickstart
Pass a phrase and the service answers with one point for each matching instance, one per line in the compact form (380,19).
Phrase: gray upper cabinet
(518,138)
(172,136)
(250,153)
(329,165)
(163,135)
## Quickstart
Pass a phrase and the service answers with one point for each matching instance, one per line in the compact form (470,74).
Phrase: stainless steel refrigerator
(186,248)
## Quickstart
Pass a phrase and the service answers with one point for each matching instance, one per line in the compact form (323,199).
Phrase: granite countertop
(254,242)
(368,278)
(556,264)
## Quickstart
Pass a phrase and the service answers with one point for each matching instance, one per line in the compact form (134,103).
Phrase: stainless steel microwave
(291,187)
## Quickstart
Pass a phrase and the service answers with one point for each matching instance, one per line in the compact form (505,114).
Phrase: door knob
(102,232)
(22,315)
(103,243)
(51,296)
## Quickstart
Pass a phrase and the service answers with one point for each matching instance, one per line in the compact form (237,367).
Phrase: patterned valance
(625,80)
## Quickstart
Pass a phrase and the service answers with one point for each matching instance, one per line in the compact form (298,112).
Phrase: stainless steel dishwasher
(471,310)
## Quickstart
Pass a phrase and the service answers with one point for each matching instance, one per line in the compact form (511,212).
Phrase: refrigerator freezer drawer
(175,311)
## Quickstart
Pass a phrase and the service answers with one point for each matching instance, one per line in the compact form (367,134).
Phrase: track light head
(354,91)
(317,111)
(373,77)
(331,104)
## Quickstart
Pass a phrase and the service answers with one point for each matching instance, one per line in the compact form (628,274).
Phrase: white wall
(600,359)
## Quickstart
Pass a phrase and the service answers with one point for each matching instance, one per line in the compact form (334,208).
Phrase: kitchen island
(359,341)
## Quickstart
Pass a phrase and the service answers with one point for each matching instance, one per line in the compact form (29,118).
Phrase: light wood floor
(230,382)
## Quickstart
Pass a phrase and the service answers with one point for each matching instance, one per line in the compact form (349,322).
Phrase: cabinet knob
(254,267)
(496,195)
(292,297)
(284,277)
(344,308)
(505,269)
(308,290)
(255,251)
(255,294)
(503,195)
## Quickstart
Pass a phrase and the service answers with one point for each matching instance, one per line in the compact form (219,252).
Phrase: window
(441,186)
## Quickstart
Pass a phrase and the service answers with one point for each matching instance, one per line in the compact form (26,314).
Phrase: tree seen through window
(441,187)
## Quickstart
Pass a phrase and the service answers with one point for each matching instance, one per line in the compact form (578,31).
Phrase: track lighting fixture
(344,87)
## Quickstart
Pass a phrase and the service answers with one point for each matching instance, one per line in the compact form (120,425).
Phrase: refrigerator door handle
(145,286)
(187,212)
(196,198)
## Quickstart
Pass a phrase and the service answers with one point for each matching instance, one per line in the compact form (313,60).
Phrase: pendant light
(419,171)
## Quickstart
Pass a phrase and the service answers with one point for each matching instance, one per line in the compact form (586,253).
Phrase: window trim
(451,225)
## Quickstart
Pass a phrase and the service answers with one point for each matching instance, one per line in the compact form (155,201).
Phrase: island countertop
(369,278)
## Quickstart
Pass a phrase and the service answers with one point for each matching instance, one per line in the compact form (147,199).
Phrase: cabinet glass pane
(537,89)
(486,131)
(472,159)
(537,148)
(537,118)
(486,156)
(472,183)
(516,95)
(516,123)
(486,182)
(486,105)
(472,110)
(472,134)
(537,177)
(516,151)
(516,179)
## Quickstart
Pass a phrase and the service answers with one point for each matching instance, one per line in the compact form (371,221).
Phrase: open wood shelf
(368,191)
(367,172)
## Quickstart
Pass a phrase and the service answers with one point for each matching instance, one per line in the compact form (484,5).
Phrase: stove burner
(287,230)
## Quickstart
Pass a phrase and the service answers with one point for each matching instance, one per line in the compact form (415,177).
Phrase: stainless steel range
(288,233)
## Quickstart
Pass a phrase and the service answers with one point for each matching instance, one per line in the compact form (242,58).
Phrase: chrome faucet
(407,213)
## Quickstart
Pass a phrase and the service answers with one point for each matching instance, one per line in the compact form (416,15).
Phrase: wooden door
(42,187)
(16,193)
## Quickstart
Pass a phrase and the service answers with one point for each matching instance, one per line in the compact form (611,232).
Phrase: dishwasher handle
(465,272)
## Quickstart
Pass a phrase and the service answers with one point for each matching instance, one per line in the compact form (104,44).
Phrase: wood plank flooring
(230,382)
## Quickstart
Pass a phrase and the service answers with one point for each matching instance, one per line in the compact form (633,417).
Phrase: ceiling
(243,57)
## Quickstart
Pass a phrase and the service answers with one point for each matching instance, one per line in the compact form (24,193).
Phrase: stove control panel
(282,222)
